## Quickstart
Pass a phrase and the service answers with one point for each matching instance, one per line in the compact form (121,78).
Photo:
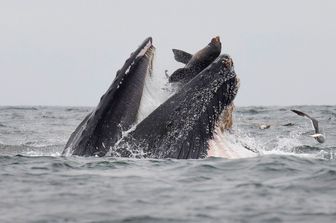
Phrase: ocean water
(292,179)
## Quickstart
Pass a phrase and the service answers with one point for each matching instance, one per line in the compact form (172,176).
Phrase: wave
(24,108)
(78,109)
(30,150)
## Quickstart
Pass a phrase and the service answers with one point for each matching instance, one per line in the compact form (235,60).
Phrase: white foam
(67,151)
(34,153)
(284,153)
(279,145)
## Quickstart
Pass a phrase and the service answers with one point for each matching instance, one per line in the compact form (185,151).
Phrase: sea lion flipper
(182,56)
(180,75)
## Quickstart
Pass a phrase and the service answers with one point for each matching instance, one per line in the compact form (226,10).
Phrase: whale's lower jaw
(118,108)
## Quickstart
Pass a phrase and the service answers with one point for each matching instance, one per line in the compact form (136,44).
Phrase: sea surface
(292,179)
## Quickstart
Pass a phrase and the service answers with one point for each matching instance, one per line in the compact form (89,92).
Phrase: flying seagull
(318,135)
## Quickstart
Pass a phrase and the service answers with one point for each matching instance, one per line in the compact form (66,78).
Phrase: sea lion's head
(216,42)
(213,49)
(215,39)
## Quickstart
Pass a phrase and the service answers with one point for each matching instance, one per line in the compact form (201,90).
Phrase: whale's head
(182,126)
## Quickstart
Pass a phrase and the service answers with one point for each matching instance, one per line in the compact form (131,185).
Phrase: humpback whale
(182,126)
(194,64)
(179,128)
(318,136)
(118,107)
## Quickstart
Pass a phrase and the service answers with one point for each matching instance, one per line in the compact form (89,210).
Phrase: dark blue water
(292,180)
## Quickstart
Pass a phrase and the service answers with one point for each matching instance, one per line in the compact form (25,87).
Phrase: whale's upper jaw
(182,126)
(217,87)
(216,98)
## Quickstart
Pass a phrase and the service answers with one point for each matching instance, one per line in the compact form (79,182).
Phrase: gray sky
(67,52)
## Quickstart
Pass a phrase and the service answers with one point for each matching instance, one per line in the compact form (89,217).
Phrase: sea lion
(195,63)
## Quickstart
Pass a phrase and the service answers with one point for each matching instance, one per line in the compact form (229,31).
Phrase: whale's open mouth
(147,103)
(179,128)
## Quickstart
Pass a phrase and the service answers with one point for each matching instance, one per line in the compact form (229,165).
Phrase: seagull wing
(313,120)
